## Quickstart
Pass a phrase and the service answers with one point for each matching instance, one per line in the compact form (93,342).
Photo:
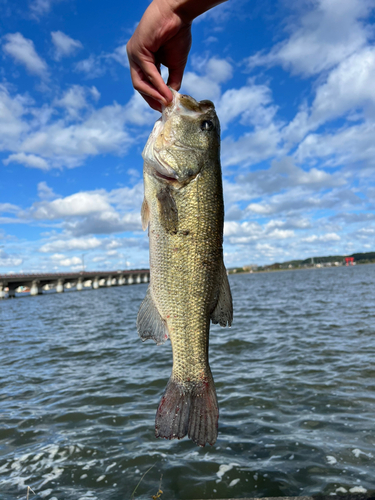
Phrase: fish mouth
(185,105)
(153,162)
(182,105)
(165,177)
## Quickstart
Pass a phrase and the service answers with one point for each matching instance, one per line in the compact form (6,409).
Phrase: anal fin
(150,324)
(223,312)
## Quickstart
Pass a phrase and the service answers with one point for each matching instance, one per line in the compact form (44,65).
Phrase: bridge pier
(37,283)
(60,286)
(35,289)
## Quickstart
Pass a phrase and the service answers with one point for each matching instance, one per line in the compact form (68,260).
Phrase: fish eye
(207,125)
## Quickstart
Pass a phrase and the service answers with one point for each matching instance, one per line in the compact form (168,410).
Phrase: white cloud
(252,147)
(328,33)
(299,200)
(73,100)
(40,7)
(45,192)
(268,250)
(63,245)
(251,103)
(96,66)
(349,86)
(324,237)
(57,256)
(64,45)
(103,131)
(23,52)
(245,232)
(79,204)
(46,141)
(348,146)
(98,259)
(218,70)
(73,261)
(33,161)
(206,85)
(281,234)
(260,208)
(93,66)
(284,174)
(8,208)
(87,213)
(108,222)
(95,94)
(366,231)
(12,124)
(10,261)
(138,112)
(201,87)
(127,197)
(120,55)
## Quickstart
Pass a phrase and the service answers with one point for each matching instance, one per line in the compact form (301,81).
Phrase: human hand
(162,37)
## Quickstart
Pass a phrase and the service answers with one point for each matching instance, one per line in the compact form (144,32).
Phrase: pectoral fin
(167,210)
(150,324)
(223,312)
(145,214)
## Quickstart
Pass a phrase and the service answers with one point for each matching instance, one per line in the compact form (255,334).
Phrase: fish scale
(184,211)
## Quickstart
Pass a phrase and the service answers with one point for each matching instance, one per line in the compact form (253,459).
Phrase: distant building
(250,267)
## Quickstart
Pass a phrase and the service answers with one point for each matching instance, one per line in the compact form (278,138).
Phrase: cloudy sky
(294,88)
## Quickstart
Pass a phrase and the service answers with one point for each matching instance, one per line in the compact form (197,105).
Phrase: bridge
(36,284)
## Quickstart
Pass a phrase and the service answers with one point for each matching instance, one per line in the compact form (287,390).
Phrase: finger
(144,75)
(175,78)
(152,103)
(150,68)
(143,86)
(155,79)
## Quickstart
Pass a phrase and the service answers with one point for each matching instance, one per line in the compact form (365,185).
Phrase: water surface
(294,378)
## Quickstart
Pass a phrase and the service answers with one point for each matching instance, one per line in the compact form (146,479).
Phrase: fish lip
(151,156)
(160,170)
(178,105)
(164,177)
(157,166)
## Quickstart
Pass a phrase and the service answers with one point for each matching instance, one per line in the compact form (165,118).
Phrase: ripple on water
(294,377)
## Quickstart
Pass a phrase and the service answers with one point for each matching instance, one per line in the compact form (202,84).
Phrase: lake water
(295,380)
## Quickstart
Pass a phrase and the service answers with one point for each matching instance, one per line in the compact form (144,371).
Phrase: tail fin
(188,408)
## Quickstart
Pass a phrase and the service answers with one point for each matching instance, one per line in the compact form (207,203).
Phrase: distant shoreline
(275,270)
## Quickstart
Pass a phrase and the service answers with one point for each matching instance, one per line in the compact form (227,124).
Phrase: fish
(183,209)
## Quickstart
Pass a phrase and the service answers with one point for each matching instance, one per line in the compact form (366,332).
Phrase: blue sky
(293,84)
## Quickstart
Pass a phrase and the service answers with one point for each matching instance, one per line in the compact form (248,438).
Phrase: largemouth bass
(183,209)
